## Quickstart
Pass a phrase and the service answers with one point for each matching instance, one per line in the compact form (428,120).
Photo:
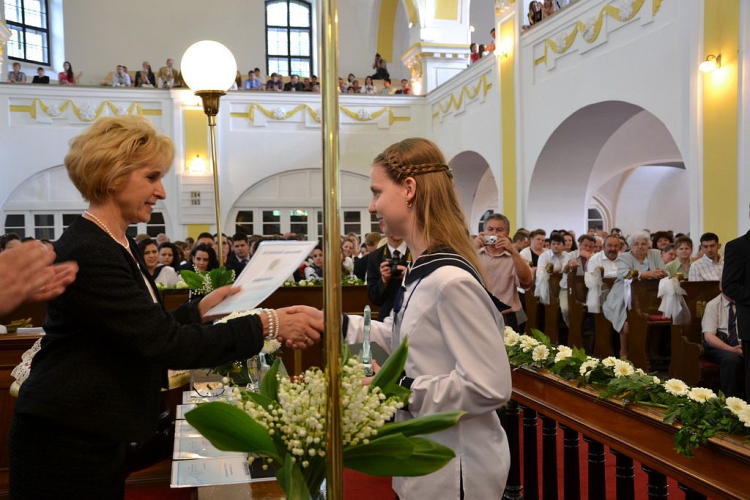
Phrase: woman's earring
(408,204)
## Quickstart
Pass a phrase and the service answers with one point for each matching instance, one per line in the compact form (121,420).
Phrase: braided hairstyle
(438,213)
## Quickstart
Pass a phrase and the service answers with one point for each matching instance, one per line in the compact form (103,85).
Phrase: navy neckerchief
(428,263)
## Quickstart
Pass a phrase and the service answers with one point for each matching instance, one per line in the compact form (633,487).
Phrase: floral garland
(700,412)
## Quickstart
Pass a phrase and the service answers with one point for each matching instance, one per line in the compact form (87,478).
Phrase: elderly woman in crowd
(95,383)
(649,265)
(162,274)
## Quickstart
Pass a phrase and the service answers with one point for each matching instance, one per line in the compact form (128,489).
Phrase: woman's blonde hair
(438,213)
(110,150)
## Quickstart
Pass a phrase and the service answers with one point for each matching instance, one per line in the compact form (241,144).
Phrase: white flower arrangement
(563,352)
(540,353)
(623,368)
(701,394)
(609,361)
(528,343)
(735,405)
(676,387)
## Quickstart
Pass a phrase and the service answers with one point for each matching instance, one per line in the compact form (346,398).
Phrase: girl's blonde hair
(439,215)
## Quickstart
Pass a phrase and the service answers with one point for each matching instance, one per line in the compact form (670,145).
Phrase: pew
(687,340)
(552,313)
(645,322)
(576,309)
(603,328)
(533,311)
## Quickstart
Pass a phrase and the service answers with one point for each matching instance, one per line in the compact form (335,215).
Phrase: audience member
(40,77)
(161,238)
(490,47)
(169,76)
(28,274)
(226,248)
(16,75)
(202,258)
(709,267)
(170,255)
(505,270)
(9,240)
(237,85)
(121,78)
(668,254)
(521,241)
(661,239)
(535,12)
(385,272)
(649,266)
(190,241)
(145,77)
(599,243)
(606,258)
(735,282)
(404,87)
(681,264)
(205,238)
(274,83)
(184,255)
(475,54)
(369,87)
(548,8)
(536,247)
(160,273)
(386,90)
(347,262)
(360,265)
(315,269)
(721,342)
(241,253)
(380,67)
(570,242)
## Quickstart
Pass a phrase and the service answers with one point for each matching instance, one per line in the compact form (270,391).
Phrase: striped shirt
(705,269)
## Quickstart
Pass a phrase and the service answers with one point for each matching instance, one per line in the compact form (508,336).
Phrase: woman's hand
(214,298)
(375,369)
(300,326)
(655,274)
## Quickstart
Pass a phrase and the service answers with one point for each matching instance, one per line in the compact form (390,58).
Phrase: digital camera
(394,263)
(490,239)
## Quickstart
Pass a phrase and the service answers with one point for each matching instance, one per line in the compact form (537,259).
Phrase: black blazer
(234,263)
(378,293)
(360,266)
(735,280)
(108,344)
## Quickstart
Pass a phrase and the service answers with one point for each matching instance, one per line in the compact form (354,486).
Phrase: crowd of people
(541,10)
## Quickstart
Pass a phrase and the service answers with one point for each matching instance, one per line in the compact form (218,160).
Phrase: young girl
(457,358)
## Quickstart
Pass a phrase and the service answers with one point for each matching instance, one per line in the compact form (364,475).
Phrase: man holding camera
(504,267)
(385,270)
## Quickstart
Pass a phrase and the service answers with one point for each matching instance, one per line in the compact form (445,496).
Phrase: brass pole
(331,244)
(211,108)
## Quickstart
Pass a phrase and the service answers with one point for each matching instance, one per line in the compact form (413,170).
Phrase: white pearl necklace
(104,226)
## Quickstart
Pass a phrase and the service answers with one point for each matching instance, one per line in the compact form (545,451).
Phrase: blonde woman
(457,359)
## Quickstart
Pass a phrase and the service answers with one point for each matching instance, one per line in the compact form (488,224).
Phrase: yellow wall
(446,9)
(508,121)
(720,89)
(386,24)
(194,230)
(196,137)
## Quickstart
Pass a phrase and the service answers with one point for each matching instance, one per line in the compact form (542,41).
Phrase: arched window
(28,22)
(289,37)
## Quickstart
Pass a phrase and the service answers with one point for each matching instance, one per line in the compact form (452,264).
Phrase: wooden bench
(552,313)
(603,328)
(534,312)
(688,363)
(577,310)
(645,322)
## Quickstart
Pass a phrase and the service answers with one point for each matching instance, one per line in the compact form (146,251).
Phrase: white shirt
(600,259)
(167,276)
(458,361)
(705,269)
(716,315)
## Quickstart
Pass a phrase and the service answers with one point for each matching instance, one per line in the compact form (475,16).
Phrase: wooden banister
(718,470)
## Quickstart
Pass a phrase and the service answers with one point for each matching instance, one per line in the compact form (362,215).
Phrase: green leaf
(230,429)
(427,424)
(261,400)
(192,279)
(392,368)
(427,457)
(537,334)
(394,446)
(269,386)
(291,480)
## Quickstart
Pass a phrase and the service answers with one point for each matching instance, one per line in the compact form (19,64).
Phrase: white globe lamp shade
(208,65)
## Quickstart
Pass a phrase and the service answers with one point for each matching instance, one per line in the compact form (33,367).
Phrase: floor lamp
(209,69)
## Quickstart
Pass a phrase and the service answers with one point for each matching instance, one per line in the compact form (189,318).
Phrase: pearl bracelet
(273,323)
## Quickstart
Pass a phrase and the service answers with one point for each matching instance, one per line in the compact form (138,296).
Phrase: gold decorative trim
(590,30)
(280,115)
(482,85)
(85,113)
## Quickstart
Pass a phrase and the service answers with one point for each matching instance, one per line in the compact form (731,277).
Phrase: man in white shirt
(607,258)
(721,342)
(710,266)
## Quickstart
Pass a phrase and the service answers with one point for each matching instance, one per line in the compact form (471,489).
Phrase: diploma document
(271,265)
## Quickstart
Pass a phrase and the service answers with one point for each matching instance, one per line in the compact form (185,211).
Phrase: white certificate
(271,265)
(183,409)
(188,448)
(182,429)
(210,472)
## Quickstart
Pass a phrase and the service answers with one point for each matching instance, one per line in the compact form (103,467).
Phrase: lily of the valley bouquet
(205,282)
(285,424)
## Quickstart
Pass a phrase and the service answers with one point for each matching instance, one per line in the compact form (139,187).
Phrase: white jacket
(458,361)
